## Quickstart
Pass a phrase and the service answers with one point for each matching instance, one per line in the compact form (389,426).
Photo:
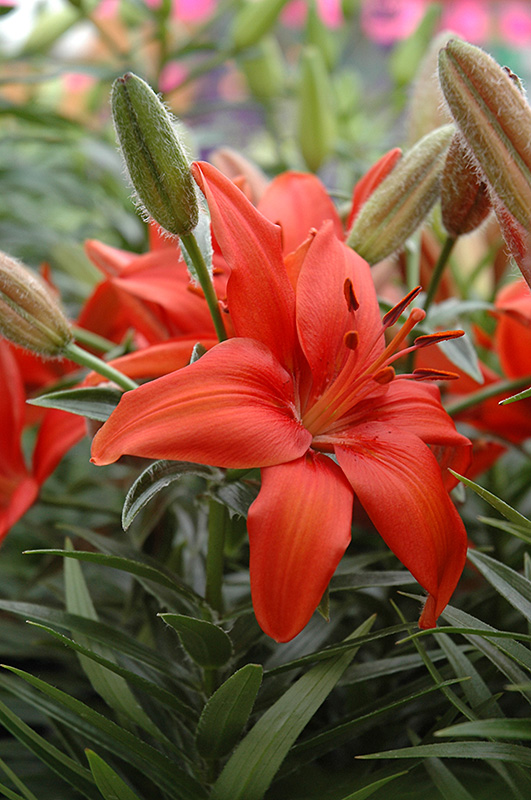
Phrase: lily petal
(260,297)
(58,433)
(323,316)
(299,527)
(156,360)
(398,482)
(298,202)
(234,407)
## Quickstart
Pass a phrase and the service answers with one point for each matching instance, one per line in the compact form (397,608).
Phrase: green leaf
(107,780)
(156,766)
(100,632)
(461,352)
(18,783)
(253,765)
(162,695)
(475,689)
(520,396)
(508,527)
(505,510)
(110,686)
(491,729)
(509,583)
(477,750)
(156,477)
(9,793)
(71,772)
(226,712)
(363,578)
(208,645)
(94,402)
(139,567)
(445,780)
(361,794)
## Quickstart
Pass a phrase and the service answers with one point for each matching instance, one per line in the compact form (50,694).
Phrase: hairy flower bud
(153,154)
(316,114)
(29,314)
(402,200)
(465,200)
(495,120)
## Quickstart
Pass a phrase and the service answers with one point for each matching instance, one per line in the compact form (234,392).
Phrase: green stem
(438,271)
(189,242)
(80,356)
(500,387)
(217,520)
(92,340)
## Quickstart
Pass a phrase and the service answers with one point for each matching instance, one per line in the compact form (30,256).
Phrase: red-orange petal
(398,482)
(234,407)
(298,202)
(260,297)
(299,528)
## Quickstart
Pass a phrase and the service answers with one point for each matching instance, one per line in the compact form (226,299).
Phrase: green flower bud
(263,68)
(494,119)
(254,20)
(153,155)
(29,314)
(316,112)
(401,201)
(465,200)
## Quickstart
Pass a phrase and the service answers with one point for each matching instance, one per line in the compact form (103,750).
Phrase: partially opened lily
(306,391)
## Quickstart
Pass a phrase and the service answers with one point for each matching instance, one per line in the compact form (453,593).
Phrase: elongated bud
(495,120)
(154,157)
(254,20)
(402,200)
(316,113)
(263,68)
(465,200)
(29,314)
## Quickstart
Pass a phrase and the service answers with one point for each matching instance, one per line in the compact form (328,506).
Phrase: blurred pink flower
(78,82)
(193,10)
(386,21)
(469,18)
(330,12)
(171,76)
(107,9)
(515,23)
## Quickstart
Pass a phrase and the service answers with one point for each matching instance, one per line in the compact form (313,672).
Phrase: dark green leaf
(361,794)
(478,750)
(505,510)
(94,402)
(491,729)
(227,711)
(509,583)
(107,780)
(253,765)
(208,645)
(155,765)
(77,776)
(155,478)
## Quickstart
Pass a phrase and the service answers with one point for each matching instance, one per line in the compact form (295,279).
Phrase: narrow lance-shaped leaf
(111,687)
(67,769)
(107,780)
(227,711)
(253,765)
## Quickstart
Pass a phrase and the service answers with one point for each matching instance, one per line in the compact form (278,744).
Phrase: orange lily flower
(306,391)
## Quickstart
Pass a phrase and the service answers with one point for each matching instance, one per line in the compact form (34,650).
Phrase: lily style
(306,390)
